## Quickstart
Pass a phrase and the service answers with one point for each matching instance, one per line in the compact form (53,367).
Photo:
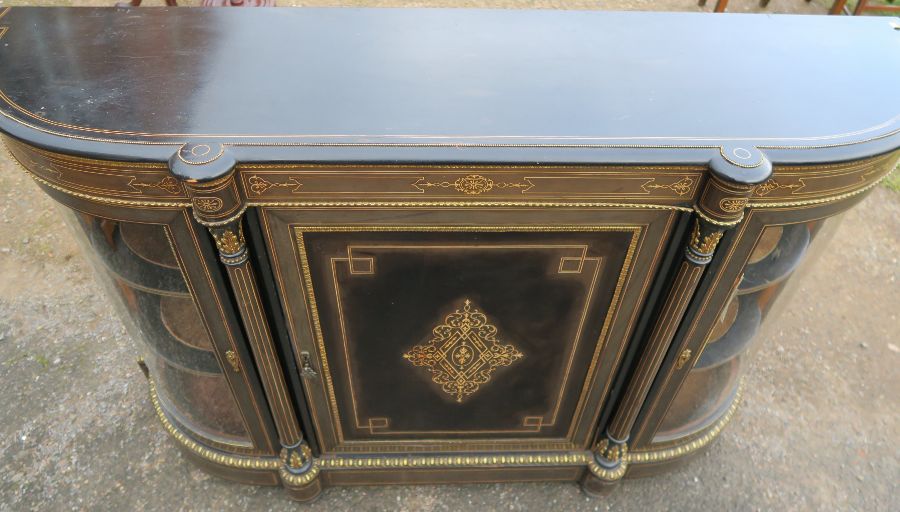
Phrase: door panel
(154,266)
(487,332)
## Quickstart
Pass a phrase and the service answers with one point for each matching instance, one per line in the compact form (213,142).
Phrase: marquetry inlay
(463,352)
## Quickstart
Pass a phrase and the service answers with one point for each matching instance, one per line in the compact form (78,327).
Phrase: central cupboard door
(461,329)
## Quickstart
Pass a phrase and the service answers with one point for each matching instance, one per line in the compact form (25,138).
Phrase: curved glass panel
(712,383)
(139,266)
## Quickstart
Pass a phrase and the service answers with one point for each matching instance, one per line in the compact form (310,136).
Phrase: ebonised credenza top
(449,85)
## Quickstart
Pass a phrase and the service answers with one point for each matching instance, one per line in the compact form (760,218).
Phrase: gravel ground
(818,428)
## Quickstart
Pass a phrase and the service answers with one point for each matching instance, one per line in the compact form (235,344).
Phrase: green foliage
(43,361)
(892,180)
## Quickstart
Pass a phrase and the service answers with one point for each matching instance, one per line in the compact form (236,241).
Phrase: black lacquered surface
(452,76)
(536,292)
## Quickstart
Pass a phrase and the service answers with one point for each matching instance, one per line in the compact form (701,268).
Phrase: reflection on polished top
(445,77)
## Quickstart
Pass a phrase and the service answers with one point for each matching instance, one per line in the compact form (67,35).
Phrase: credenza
(366,246)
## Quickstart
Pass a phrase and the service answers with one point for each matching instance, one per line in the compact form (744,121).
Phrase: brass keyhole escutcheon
(233,360)
(306,367)
(683,359)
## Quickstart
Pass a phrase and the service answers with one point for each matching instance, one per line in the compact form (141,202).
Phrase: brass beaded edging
(200,162)
(608,474)
(461,204)
(218,223)
(674,452)
(739,164)
(297,480)
(718,222)
(260,463)
(475,167)
(454,461)
(550,459)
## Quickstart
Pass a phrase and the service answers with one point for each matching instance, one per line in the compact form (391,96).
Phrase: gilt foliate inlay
(463,352)
(228,242)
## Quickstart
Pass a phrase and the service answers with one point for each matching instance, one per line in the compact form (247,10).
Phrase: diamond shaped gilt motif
(463,352)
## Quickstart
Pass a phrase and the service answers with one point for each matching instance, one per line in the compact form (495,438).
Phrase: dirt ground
(818,428)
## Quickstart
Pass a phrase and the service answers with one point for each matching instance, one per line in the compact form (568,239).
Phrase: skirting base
(424,469)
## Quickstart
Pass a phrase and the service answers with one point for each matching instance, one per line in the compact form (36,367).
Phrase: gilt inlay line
(167,184)
(474,184)
(773,184)
(463,352)
(259,185)
(680,187)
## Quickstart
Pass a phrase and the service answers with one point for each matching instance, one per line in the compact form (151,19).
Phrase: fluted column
(720,207)
(218,205)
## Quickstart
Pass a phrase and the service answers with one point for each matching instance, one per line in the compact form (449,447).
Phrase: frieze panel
(659,186)
(791,184)
(111,179)
(305,182)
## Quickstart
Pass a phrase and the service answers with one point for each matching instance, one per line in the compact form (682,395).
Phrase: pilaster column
(207,172)
(720,207)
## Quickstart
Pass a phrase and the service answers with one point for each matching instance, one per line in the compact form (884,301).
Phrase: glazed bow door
(471,329)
